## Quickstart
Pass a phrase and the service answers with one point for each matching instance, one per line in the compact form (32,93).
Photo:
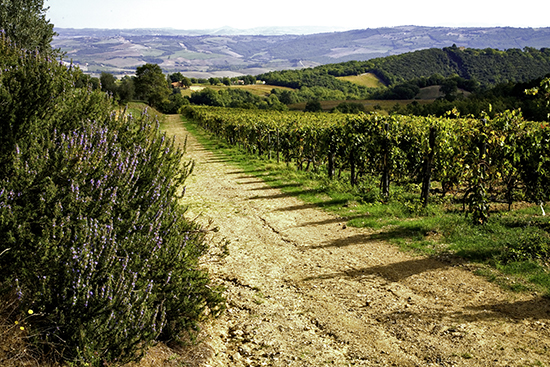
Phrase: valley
(215,54)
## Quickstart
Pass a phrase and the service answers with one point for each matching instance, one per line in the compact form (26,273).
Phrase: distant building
(178,85)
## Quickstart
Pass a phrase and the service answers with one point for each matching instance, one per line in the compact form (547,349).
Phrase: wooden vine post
(278,147)
(428,164)
(385,180)
(479,205)
(331,153)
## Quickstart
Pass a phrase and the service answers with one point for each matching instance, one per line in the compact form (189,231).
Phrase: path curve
(304,290)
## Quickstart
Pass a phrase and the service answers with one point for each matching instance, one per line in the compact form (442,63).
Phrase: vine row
(503,159)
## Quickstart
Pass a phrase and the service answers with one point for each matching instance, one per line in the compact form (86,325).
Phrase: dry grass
(262,90)
(431,92)
(15,349)
(368,80)
(162,355)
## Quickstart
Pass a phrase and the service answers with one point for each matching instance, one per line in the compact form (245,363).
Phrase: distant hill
(223,31)
(229,52)
(487,66)
(404,74)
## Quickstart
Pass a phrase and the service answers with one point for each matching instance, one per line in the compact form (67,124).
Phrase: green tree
(273,103)
(544,89)
(179,77)
(285,96)
(349,107)
(25,23)
(313,106)
(449,88)
(108,83)
(150,85)
(249,79)
(176,77)
(126,89)
(186,82)
(208,97)
(84,80)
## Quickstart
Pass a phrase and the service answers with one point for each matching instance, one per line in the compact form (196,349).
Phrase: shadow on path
(392,272)
(282,186)
(364,238)
(283,195)
(535,309)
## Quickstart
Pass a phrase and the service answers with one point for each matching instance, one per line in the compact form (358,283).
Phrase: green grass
(513,250)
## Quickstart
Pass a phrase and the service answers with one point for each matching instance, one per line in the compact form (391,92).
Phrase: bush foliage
(92,236)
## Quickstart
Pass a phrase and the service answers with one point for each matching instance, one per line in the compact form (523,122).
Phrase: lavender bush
(91,233)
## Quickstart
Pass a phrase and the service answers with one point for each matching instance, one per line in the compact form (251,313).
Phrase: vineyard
(504,159)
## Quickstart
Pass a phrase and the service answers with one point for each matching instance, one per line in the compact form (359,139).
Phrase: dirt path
(304,290)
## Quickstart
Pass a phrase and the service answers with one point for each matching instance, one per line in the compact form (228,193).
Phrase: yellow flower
(22,328)
(17,322)
(31,312)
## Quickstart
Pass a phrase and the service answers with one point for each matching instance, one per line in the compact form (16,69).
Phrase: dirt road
(304,290)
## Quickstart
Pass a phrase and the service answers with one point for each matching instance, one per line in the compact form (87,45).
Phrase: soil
(303,289)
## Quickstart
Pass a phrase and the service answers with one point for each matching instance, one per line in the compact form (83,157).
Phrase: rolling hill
(229,52)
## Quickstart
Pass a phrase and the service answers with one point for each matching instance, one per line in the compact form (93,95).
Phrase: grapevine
(502,159)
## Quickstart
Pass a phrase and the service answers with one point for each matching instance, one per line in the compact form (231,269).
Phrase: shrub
(93,238)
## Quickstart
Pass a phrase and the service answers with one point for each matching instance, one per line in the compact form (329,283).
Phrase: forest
(488,66)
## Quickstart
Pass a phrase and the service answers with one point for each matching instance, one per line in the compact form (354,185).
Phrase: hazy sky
(243,14)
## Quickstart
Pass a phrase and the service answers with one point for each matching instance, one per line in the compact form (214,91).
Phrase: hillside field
(120,51)
(367,80)
(262,90)
(426,95)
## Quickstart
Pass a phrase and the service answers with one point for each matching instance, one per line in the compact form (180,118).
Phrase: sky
(342,14)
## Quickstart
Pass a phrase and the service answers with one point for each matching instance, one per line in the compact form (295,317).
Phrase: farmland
(262,90)
(222,53)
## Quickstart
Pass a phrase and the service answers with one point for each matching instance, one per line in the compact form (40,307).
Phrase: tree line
(158,90)
(487,66)
(452,68)
(491,101)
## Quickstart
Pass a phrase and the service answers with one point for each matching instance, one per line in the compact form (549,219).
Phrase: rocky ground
(305,290)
